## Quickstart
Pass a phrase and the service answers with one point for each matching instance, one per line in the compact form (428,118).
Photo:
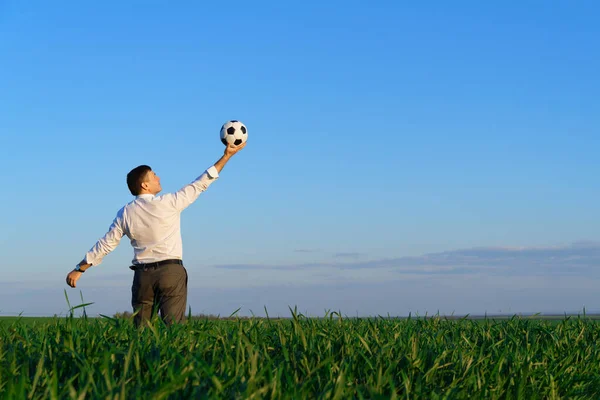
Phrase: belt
(138,267)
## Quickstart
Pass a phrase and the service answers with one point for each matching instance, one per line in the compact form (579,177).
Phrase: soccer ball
(233,132)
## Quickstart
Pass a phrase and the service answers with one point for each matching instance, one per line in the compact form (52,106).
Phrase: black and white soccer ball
(233,132)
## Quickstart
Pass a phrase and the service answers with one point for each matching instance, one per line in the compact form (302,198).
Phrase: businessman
(152,223)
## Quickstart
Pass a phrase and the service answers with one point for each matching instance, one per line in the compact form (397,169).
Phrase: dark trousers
(161,289)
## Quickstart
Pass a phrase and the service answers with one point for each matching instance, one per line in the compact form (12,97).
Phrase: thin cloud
(306,250)
(348,255)
(577,258)
(288,267)
(574,258)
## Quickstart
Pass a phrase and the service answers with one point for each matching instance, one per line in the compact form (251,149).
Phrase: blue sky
(383,139)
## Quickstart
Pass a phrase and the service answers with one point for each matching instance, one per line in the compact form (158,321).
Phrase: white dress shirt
(152,223)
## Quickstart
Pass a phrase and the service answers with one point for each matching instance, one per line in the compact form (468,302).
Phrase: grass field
(331,357)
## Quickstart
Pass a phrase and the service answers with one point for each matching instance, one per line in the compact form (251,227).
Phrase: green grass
(331,357)
(27,320)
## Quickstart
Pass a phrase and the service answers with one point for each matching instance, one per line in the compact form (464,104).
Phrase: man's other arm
(103,246)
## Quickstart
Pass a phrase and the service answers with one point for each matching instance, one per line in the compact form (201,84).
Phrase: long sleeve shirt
(152,224)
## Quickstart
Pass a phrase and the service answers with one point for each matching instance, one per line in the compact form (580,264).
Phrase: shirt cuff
(87,259)
(212,172)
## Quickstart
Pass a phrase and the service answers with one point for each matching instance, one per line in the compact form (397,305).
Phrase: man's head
(142,180)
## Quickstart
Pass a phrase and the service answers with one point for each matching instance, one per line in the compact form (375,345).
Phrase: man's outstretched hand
(231,149)
(73,277)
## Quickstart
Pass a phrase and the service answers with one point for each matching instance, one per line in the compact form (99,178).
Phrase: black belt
(157,264)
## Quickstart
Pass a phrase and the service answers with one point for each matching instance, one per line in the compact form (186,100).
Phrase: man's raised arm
(189,193)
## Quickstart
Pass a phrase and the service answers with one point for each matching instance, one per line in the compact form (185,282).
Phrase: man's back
(152,224)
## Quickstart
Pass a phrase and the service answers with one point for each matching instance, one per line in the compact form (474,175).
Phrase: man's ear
(144,185)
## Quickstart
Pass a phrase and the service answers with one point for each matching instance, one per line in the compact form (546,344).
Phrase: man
(152,223)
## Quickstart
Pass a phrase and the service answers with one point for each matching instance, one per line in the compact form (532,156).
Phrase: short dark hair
(135,177)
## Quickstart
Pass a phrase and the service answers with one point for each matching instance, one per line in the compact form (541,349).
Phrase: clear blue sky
(382,139)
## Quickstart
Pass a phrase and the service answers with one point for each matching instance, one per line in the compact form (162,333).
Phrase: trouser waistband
(138,267)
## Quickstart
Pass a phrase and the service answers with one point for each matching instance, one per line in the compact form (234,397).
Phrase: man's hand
(73,277)
(231,149)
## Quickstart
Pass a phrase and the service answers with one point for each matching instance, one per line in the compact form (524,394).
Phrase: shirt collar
(145,196)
